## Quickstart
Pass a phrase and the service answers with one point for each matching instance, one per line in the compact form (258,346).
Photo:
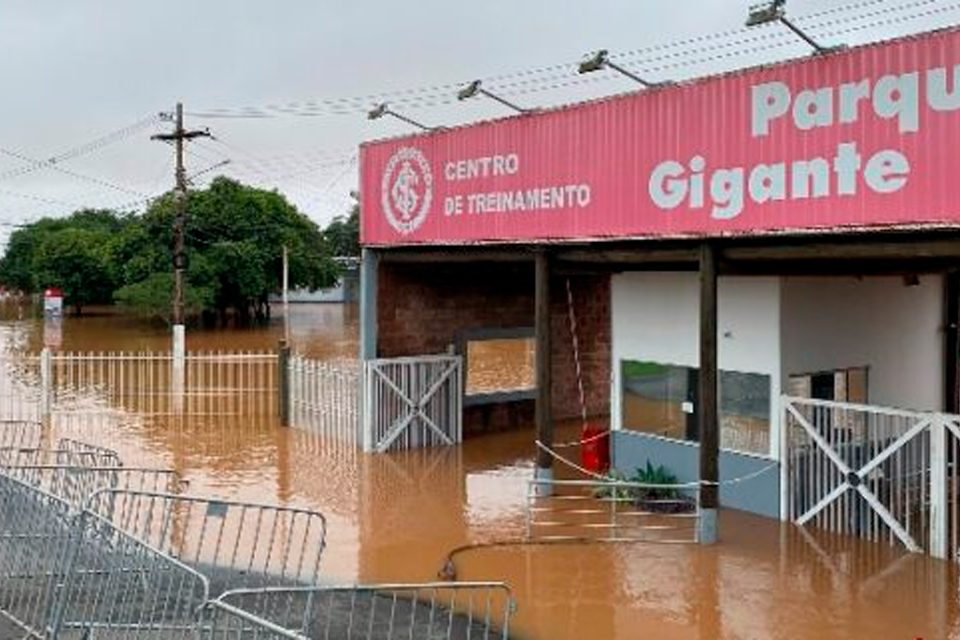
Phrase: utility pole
(179,136)
(286,293)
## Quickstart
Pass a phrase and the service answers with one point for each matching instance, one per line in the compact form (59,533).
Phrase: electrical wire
(68,172)
(679,54)
(84,149)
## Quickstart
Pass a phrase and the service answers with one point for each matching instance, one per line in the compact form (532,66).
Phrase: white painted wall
(832,323)
(656,317)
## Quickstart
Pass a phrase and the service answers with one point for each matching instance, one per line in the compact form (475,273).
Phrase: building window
(661,399)
(500,365)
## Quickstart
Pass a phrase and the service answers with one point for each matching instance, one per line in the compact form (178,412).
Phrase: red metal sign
(866,137)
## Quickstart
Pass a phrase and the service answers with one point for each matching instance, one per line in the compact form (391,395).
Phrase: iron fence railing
(612,511)
(325,397)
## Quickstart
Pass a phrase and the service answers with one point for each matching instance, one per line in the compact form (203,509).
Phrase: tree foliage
(235,237)
(343,234)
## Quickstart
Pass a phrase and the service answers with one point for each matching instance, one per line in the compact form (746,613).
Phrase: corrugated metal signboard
(867,137)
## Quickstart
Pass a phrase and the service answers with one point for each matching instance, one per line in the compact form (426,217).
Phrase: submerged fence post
(46,384)
(283,380)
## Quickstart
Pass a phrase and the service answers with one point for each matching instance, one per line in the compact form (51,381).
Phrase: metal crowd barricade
(35,534)
(117,586)
(438,611)
(20,433)
(75,484)
(236,545)
(12,457)
(80,450)
(612,511)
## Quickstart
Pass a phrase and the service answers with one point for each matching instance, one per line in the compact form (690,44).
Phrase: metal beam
(460,254)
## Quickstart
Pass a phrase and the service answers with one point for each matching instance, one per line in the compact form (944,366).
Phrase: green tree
(152,297)
(343,234)
(235,237)
(17,267)
(76,260)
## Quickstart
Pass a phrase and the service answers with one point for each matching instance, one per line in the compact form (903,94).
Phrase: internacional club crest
(407,190)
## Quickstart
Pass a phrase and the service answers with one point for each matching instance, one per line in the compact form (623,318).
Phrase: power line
(83,149)
(674,55)
(67,172)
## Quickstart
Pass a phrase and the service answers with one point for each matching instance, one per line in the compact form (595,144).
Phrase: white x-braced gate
(412,402)
(877,473)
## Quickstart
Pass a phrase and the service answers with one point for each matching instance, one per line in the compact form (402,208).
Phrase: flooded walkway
(395,517)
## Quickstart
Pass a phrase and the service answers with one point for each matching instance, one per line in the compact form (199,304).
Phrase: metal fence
(135,564)
(115,585)
(211,383)
(412,402)
(235,544)
(881,474)
(20,433)
(441,611)
(324,397)
(220,383)
(35,536)
(612,511)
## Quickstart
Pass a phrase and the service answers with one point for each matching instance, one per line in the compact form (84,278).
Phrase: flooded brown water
(396,516)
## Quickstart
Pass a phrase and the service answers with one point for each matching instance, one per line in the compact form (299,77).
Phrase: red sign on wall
(866,137)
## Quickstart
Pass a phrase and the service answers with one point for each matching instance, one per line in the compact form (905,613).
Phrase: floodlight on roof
(776,11)
(766,13)
(475,88)
(601,60)
(383,110)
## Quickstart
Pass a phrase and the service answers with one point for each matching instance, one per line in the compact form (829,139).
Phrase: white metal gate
(412,402)
(877,473)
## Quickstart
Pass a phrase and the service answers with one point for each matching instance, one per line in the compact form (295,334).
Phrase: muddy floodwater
(395,517)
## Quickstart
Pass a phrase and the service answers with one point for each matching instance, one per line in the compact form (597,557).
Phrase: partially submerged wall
(425,308)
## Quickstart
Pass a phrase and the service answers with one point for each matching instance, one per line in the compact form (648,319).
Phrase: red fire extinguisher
(595,448)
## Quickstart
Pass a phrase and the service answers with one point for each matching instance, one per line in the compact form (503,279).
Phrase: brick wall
(422,308)
(591,305)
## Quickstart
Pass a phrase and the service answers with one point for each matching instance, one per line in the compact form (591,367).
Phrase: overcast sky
(72,72)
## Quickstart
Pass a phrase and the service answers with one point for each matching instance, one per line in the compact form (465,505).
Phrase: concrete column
(178,379)
(369,290)
(369,264)
(939,511)
(46,385)
(544,418)
(708,406)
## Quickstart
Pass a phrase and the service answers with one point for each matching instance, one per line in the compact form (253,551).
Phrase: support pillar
(46,385)
(178,379)
(369,264)
(544,419)
(369,293)
(283,382)
(939,511)
(951,335)
(708,409)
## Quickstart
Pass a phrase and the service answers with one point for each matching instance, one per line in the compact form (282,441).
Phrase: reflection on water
(503,364)
(317,330)
(396,516)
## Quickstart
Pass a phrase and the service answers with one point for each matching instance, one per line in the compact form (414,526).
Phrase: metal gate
(876,473)
(412,402)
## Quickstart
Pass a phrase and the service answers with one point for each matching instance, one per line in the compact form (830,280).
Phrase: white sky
(74,71)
